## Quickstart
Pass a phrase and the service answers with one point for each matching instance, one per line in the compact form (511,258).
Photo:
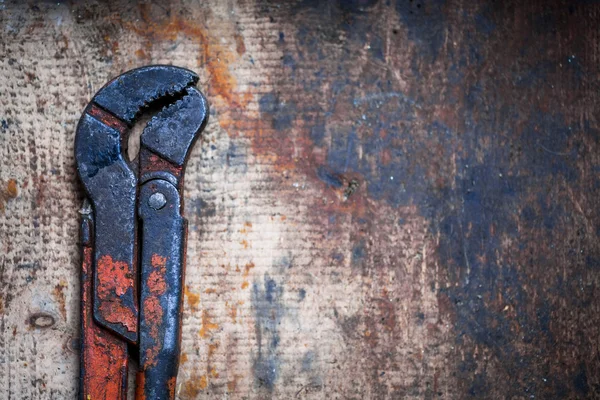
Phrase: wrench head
(172,132)
(127,95)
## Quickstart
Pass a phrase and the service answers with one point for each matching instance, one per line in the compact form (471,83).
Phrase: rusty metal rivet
(157,201)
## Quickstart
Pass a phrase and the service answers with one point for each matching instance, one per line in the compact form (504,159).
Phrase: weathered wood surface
(392,199)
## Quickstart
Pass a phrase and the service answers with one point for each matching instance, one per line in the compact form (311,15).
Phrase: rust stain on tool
(156,280)
(153,312)
(114,279)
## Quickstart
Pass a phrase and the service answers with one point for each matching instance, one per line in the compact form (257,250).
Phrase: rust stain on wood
(10,192)
(213,57)
(207,325)
(59,295)
(193,299)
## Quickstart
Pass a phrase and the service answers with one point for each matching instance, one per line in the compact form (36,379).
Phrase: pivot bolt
(157,201)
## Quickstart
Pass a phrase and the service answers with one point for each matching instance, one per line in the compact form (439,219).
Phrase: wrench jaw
(172,132)
(169,137)
(112,291)
(126,96)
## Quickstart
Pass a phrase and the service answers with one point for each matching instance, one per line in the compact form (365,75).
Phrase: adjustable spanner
(133,233)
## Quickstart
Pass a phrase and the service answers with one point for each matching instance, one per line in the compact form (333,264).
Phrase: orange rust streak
(183,358)
(216,58)
(193,299)
(153,314)
(140,382)
(139,53)
(212,348)
(207,325)
(153,311)
(59,295)
(247,268)
(203,382)
(107,118)
(194,386)
(11,189)
(104,356)
(114,279)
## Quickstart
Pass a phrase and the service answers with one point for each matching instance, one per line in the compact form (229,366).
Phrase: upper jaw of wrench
(170,134)
(127,95)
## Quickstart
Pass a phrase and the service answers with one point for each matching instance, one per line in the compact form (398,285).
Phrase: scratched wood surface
(391,200)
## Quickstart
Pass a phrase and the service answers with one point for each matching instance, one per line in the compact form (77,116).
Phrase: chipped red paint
(156,279)
(172,381)
(114,280)
(103,355)
(107,118)
(150,162)
(140,384)
(153,312)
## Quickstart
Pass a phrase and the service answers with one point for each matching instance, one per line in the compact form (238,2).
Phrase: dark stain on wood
(482,115)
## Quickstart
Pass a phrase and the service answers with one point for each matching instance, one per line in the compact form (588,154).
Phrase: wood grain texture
(391,200)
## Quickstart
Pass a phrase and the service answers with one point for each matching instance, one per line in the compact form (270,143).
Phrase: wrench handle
(163,234)
(103,362)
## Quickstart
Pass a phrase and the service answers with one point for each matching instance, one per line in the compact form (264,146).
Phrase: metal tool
(133,212)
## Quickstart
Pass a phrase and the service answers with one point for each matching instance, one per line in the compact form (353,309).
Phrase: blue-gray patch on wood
(284,113)
(301,294)
(307,361)
(269,309)
(237,158)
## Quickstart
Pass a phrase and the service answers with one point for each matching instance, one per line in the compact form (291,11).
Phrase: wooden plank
(392,199)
